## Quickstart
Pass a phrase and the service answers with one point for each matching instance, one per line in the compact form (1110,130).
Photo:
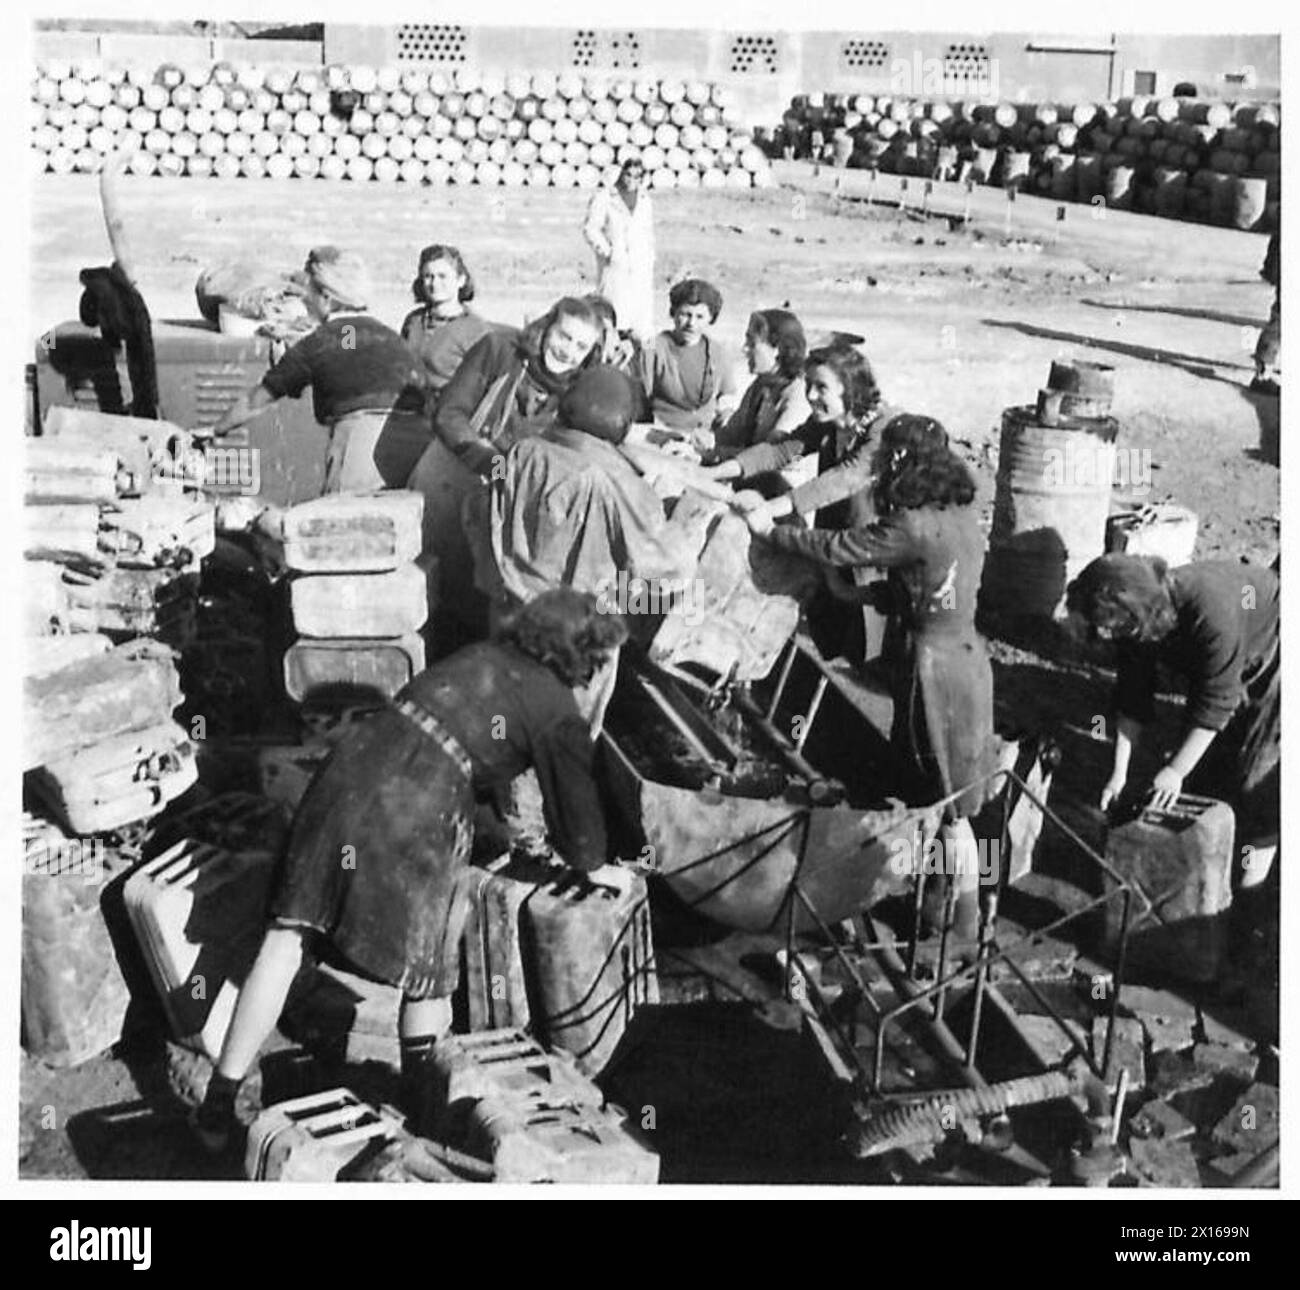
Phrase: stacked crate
(389,124)
(358,597)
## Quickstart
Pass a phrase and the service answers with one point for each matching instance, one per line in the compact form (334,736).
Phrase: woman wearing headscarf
(443,329)
(927,537)
(374,869)
(365,383)
(508,388)
(774,404)
(1216,623)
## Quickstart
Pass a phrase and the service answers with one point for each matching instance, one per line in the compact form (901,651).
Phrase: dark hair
(695,291)
(565,630)
(784,332)
(605,308)
(532,336)
(438,251)
(1128,595)
(909,433)
(851,367)
(926,473)
(632,163)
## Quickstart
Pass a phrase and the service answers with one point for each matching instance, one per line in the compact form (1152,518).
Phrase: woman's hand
(1114,787)
(747,500)
(760,521)
(1165,788)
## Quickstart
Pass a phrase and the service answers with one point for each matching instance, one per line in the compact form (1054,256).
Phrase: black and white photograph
(638,598)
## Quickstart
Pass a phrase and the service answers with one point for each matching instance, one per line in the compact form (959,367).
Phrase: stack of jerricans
(389,124)
(113,538)
(1186,158)
(358,597)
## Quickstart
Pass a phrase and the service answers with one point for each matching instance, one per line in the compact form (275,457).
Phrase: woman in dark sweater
(1216,623)
(929,540)
(508,388)
(443,329)
(366,386)
(375,864)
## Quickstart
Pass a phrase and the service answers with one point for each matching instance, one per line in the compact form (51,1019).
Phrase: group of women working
(822,469)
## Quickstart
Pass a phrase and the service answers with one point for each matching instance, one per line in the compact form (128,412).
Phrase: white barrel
(264,101)
(400,103)
(99,93)
(63,161)
(388,78)
(690,137)
(171,165)
(566,131)
(212,144)
(45,90)
(387,171)
(487,174)
(375,102)
(101,140)
(238,98)
(85,116)
(580,109)
(127,96)
(575,154)
(451,150)
(414,81)
(439,83)
(663,178)
(197,121)
(252,166)
(698,92)
(306,123)
(112,117)
(539,130)
(609,176)
(739,178)
(590,132)
(210,98)
(333,167)
(616,134)
(197,74)
(551,153)
(400,148)
(239,144)
(646,89)
(338,77)
(198,166)
(713,178)
(568,85)
(630,110)
(333,126)
(360,169)
(620,89)
(413,171)
(388,124)
(141,120)
(45,138)
(251,122)
(184,144)
(476,152)
(499,151)
(687,178)
(543,84)
(155,98)
(753,160)
(293,145)
(682,114)
(265,144)
(374,146)
(539,176)
(665,136)
(224,121)
(490,127)
(60,114)
(361,122)
(440,127)
(727,159)
(414,126)
(517,85)
(320,145)
(563,176)
(677,159)
(652,158)
(588,177)
(426,147)
(75,137)
(672,91)
(642,136)
(142,162)
(319,102)
(628,152)
(704,160)
(225,166)
(513,175)
(465,128)
(171,120)
(463,173)
(72,90)
(515,129)
(476,104)
(525,152)
(184,97)
(279,122)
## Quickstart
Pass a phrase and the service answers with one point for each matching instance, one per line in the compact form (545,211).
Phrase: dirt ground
(959,323)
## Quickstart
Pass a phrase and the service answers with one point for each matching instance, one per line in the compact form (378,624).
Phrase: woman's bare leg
(261,1000)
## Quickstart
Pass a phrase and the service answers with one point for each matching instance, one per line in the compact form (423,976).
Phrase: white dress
(624,243)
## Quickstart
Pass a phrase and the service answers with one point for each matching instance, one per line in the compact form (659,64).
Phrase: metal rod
(780,745)
(811,714)
(981,978)
(786,668)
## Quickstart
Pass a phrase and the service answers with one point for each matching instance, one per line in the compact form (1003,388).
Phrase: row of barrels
(1180,158)
(341,122)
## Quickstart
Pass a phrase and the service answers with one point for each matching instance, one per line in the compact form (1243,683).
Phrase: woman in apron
(374,869)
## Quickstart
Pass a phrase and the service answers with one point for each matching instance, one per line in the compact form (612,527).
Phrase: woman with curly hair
(442,329)
(374,869)
(1216,623)
(508,388)
(929,540)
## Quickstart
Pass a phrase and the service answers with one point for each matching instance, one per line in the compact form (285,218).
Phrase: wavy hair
(784,332)
(564,630)
(441,251)
(915,468)
(1125,597)
(853,370)
(531,338)
(695,291)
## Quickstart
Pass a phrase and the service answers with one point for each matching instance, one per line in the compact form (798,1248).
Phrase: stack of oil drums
(1185,158)
(1055,471)
(389,124)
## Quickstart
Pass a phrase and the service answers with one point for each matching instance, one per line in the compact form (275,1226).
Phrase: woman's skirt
(376,860)
(943,722)
(372,449)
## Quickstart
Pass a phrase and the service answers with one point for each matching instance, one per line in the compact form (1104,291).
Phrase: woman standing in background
(620,229)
